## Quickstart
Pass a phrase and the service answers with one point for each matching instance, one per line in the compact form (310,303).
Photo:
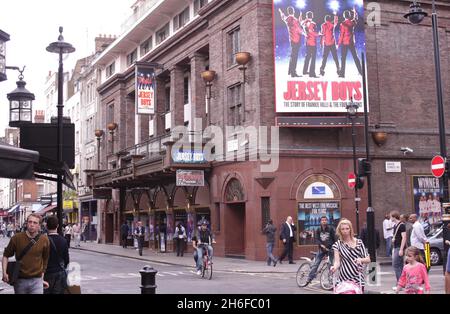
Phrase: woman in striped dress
(349,254)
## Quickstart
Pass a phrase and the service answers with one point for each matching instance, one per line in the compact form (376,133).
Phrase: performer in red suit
(328,42)
(309,27)
(295,36)
(347,40)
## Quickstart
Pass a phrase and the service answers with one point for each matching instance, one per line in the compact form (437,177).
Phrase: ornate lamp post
(415,16)
(60,47)
(112,127)
(20,102)
(208,76)
(352,110)
(243,58)
(98,135)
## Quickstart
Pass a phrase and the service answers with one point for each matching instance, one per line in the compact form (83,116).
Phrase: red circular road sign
(437,166)
(351,180)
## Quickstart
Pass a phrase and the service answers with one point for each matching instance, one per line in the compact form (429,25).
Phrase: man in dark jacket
(56,275)
(325,237)
(269,230)
(124,230)
(287,235)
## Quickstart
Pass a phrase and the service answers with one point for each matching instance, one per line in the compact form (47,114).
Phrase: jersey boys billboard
(318,46)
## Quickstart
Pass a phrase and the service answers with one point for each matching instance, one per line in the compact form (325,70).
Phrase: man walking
(325,237)
(139,233)
(388,232)
(124,230)
(295,37)
(270,230)
(34,263)
(399,242)
(418,238)
(287,235)
(56,275)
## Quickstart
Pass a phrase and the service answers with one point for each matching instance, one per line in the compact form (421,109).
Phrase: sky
(33,25)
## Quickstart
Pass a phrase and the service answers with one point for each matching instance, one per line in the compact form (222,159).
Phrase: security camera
(406,150)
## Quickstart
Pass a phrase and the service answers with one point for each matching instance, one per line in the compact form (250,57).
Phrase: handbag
(13,268)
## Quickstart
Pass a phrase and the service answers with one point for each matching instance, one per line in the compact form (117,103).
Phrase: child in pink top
(414,274)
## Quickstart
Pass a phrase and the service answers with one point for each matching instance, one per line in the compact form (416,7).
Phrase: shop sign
(190,178)
(188,157)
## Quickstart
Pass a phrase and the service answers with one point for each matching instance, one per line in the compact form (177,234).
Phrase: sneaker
(308,282)
(199,272)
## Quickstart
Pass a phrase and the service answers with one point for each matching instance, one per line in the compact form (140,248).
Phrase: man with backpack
(56,275)
(32,253)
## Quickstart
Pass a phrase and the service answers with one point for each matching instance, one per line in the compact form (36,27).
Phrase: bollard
(148,275)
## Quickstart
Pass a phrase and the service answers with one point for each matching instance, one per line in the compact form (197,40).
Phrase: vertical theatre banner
(145,89)
(318,46)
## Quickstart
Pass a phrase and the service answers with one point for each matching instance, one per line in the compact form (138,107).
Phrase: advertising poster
(318,46)
(309,214)
(426,194)
(145,90)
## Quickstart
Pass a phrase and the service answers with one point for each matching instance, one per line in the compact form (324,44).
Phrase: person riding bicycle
(204,239)
(325,237)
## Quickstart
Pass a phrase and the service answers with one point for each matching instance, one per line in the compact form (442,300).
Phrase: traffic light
(363,170)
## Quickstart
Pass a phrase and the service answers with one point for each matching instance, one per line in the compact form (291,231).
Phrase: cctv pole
(370,211)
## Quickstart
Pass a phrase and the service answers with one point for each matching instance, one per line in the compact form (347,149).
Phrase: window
(162,34)
(265,210)
(131,57)
(234,44)
(110,69)
(181,19)
(167,98)
(235,105)
(186,89)
(146,46)
(110,114)
(198,4)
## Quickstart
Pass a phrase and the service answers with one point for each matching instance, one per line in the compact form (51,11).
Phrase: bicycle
(326,277)
(207,266)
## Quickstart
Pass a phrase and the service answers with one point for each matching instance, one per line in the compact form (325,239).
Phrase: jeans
(270,257)
(397,263)
(200,255)
(29,286)
(57,282)
(389,247)
(140,241)
(320,255)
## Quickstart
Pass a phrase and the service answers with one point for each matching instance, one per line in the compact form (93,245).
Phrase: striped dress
(349,270)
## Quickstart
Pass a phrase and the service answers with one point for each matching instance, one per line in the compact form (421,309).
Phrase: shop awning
(46,209)
(14,209)
(38,207)
(17,163)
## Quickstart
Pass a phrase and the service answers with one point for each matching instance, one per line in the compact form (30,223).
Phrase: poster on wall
(426,197)
(145,89)
(309,214)
(317,51)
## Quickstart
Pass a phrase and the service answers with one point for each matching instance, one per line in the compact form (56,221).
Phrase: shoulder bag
(13,268)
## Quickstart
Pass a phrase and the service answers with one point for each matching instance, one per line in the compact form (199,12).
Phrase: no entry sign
(351,180)
(437,166)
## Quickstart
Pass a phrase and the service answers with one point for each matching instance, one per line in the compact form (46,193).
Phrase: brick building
(237,197)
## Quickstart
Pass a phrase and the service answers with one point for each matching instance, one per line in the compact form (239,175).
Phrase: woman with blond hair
(349,254)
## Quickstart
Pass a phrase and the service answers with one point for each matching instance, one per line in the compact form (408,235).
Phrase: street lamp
(60,47)
(415,16)
(208,76)
(112,127)
(242,58)
(98,135)
(20,102)
(4,37)
(352,110)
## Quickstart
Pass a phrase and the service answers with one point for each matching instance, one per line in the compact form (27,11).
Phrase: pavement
(386,277)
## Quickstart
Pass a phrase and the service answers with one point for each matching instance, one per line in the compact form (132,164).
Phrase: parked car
(436,246)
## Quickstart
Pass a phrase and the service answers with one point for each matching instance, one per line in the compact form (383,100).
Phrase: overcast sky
(33,25)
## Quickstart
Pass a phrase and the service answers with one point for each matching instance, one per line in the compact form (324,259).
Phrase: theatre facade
(224,63)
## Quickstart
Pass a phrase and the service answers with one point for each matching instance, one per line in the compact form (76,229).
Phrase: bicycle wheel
(303,273)
(209,271)
(326,278)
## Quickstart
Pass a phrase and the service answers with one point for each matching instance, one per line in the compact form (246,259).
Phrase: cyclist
(204,240)
(325,237)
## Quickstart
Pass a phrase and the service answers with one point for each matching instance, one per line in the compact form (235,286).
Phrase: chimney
(102,42)
(39,116)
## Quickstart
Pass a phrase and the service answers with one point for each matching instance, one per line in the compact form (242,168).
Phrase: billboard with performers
(145,89)
(318,46)
(426,196)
